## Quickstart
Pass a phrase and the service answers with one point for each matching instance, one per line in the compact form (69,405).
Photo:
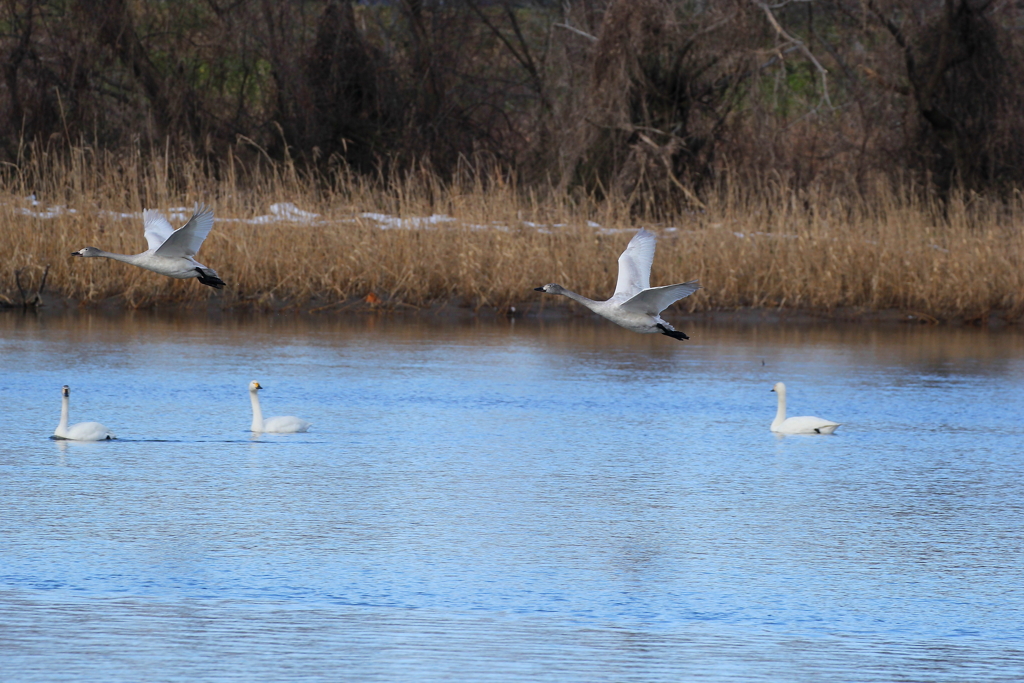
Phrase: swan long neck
(257,413)
(780,415)
(589,303)
(63,426)
(125,258)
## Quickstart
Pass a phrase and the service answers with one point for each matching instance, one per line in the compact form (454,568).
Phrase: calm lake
(509,501)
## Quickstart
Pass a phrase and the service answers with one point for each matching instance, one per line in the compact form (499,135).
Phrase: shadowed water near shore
(510,500)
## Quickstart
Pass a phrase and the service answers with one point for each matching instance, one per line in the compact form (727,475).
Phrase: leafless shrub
(651,102)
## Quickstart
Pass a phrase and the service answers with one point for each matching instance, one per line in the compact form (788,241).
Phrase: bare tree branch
(521,54)
(577,32)
(822,71)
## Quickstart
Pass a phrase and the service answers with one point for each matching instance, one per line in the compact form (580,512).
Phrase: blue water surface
(509,500)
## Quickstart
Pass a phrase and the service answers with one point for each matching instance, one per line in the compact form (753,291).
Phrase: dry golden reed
(760,247)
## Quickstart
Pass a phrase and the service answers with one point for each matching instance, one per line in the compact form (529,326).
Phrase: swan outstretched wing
(157,228)
(635,264)
(186,240)
(656,299)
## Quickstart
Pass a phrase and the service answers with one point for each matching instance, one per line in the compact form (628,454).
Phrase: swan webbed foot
(210,279)
(675,334)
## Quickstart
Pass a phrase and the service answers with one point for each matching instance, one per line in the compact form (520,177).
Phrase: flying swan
(635,305)
(277,425)
(798,425)
(170,251)
(83,431)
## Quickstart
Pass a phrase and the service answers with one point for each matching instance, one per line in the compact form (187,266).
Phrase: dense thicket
(652,100)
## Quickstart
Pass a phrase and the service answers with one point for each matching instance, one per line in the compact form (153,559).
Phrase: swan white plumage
(798,425)
(170,251)
(288,424)
(635,305)
(83,431)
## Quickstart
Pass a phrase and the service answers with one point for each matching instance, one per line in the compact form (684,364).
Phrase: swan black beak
(538,289)
(76,253)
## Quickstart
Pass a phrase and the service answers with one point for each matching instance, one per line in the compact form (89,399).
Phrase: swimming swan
(798,425)
(83,431)
(635,305)
(278,425)
(170,251)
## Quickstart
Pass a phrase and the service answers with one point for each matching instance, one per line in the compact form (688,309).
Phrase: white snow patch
(387,222)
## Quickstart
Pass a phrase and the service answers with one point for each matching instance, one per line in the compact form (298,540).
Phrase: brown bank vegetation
(824,154)
(769,246)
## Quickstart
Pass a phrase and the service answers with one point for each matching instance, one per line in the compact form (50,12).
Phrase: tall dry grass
(764,246)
